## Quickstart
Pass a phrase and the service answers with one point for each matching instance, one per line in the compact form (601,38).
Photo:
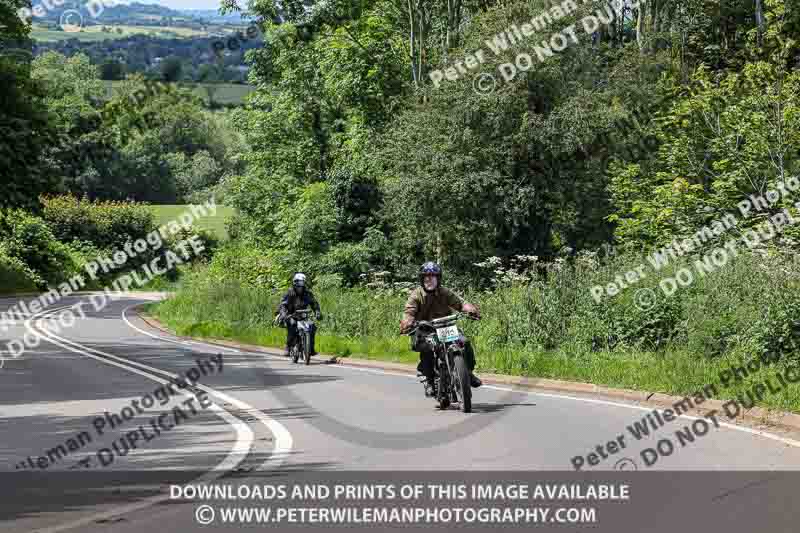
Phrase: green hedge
(15,276)
(29,239)
(106,225)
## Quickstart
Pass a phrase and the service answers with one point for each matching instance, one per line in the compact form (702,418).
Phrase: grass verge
(234,313)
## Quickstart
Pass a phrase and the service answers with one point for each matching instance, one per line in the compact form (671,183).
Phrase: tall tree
(25,127)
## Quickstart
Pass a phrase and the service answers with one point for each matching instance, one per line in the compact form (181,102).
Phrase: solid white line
(125,318)
(241,448)
(765,434)
(283,439)
(147,502)
(244,435)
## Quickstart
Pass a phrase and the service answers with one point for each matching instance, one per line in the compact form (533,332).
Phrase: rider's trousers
(426,361)
(291,334)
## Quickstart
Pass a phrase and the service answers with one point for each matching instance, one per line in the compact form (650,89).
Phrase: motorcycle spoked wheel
(443,389)
(462,385)
(307,348)
(295,352)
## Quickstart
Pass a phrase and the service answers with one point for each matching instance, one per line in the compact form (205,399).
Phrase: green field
(223,93)
(95,33)
(216,224)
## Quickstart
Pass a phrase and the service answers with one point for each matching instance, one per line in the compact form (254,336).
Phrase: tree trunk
(760,23)
(654,14)
(640,24)
(411,39)
(424,19)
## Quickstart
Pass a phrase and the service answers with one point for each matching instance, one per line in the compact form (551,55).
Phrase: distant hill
(131,14)
(212,15)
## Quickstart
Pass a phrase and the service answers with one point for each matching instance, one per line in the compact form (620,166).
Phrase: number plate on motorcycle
(447,334)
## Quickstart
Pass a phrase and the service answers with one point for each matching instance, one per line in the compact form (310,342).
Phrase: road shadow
(489,408)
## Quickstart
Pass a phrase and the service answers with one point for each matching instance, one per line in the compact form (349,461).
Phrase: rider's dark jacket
(423,305)
(292,301)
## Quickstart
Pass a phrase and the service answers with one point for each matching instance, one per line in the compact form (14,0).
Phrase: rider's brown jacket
(423,305)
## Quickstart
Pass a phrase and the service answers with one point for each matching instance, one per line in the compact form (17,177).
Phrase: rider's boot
(474,381)
(432,388)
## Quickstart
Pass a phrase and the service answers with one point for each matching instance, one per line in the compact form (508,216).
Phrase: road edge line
(757,416)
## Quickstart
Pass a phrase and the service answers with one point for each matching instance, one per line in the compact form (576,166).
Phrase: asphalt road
(257,416)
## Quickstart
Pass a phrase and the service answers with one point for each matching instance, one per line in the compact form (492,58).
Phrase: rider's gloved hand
(319,315)
(405,325)
(472,310)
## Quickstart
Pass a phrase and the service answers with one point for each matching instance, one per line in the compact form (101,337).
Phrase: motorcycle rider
(428,302)
(298,297)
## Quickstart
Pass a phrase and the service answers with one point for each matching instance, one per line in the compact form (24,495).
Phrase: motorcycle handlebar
(439,321)
(295,314)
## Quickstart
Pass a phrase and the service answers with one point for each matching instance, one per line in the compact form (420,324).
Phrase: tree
(112,70)
(721,143)
(171,69)
(26,130)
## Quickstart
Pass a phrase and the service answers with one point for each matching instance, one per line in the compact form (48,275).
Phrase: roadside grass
(216,223)
(364,324)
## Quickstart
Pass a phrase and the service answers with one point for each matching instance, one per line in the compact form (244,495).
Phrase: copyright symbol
(645,299)
(71,20)
(204,515)
(626,464)
(484,84)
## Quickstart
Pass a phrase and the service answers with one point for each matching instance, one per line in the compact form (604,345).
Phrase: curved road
(265,416)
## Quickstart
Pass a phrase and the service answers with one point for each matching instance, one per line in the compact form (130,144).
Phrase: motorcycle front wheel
(306,348)
(444,389)
(463,385)
(295,351)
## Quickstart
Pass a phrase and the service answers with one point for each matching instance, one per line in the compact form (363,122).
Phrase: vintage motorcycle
(452,376)
(302,344)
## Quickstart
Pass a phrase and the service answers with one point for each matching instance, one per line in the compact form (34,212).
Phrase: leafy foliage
(106,224)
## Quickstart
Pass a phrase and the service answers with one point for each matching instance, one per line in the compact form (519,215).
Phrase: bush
(29,239)
(15,276)
(106,224)
(208,238)
(249,266)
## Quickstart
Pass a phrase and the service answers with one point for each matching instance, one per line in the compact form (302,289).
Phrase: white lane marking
(244,435)
(147,502)
(175,341)
(43,313)
(283,439)
(765,434)
(208,477)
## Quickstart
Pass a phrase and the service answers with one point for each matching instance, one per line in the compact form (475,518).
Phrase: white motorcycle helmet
(299,280)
